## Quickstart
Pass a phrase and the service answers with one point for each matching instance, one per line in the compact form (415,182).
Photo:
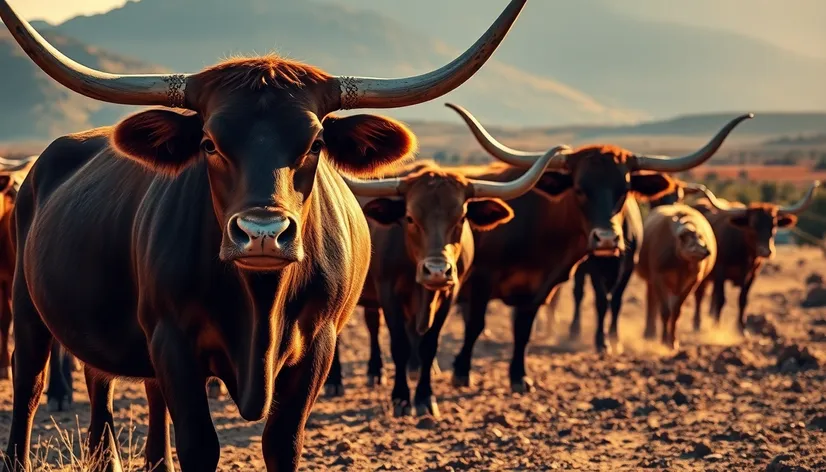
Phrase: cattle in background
(214,239)
(612,274)
(421,227)
(745,237)
(677,253)
(574,211)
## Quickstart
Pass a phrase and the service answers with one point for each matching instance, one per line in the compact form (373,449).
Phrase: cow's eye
(317,146)
(208,146)
(409,220)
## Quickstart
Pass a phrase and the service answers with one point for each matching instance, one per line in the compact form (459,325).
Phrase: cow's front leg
(297,388)
(184,389)
(424,401)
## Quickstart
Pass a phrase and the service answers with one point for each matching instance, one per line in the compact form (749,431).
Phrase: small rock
(344,460)
(796,386)
(761,324)
(702,449)
(685,378)
(344,446)
(713,457)
(815,297)
(818,423)
(655,463)
(785,462)
(802,357)
(565,432)
(426,422)
(680,398)
(605,403)
(499,419)
(814,278)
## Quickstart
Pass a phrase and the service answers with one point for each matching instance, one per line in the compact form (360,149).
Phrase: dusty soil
(719,403)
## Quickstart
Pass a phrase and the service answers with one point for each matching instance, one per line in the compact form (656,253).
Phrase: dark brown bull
(421,227)
(745,236)
(611,275)
(573,212)
(678,252)
(213,240)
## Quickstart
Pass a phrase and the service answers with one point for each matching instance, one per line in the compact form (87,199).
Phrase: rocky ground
(719,403)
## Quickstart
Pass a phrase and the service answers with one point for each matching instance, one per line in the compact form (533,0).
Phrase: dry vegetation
(721,403)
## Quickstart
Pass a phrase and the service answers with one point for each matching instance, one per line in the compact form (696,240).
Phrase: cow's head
(11,171)
(759,221)
(262,126)
(600,178)
(691,245)
(438,208)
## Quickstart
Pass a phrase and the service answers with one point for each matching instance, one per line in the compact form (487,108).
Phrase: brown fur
(670,277)
(256,73)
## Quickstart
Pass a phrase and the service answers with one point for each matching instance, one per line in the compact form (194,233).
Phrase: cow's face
(437,213)
(262,133)
(7,192)
(599,180)
(759,224)
(690,245)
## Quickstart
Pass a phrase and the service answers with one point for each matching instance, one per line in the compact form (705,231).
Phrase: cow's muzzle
(765,252)
(605,243)
(263,239)
(435,273)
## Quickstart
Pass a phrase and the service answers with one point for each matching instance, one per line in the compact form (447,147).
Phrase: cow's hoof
(401,408)
(460,381)
(333,390)
(216,389)
(523,385)
(574,333)
(5,373)
(374,380)
(649,335)
(57,405)
(413,375)
(428,406)
(697,327)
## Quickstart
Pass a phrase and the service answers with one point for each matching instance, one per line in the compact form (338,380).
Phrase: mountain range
(583,62)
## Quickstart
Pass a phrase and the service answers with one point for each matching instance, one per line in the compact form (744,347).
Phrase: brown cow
(212,240)
(678,252)
(422,251)
(574,211)
(745,235)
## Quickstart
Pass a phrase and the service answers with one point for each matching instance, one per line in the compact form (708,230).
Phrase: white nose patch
(261,228)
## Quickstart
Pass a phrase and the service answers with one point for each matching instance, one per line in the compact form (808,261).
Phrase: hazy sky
(794,24)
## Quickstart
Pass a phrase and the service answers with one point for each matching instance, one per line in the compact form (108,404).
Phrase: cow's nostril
(236,234)
(449,271)
(288,235)
(425,270)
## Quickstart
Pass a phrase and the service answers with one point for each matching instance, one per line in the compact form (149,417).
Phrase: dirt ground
(720,403)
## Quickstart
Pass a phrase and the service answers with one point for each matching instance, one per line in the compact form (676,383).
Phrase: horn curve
(695,188)
(497,149)
(143,89)
(394,187)
(804,202)
(682,163)
(369,92)
(522,185)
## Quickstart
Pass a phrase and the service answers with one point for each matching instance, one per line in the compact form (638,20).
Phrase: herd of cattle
(230,233)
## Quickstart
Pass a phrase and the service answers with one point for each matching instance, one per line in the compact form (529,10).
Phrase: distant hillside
(341,39)
(35,107)
(626,60)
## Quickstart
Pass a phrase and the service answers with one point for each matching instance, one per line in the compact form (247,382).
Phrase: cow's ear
(484,214)
(740,221)
(785,221)
(651,186)
(162,139)
(385,211)
(5,182)
(365,145)
(553,184)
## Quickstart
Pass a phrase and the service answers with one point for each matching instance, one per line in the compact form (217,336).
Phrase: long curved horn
(679,164)
(804,202)
(368,92)
(694,188)
(520,186)
(377,188)
(149,89)
(497,149)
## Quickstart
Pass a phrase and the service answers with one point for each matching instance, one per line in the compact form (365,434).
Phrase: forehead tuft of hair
(436,176)
(616,153)
(256,73)
(769,208)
